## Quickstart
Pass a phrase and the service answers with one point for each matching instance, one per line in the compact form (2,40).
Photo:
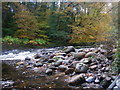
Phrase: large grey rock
(79,55)
(90,54)
(81,68)
(69,49)
(77,79)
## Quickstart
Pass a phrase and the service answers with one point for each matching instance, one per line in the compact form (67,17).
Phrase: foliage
(27,23)
(12,40)
(90,27)
(116,62)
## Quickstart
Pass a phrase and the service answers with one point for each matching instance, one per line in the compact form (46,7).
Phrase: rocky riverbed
(67,67)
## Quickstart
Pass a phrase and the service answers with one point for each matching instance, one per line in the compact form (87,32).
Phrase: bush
(116,63)
(12,40)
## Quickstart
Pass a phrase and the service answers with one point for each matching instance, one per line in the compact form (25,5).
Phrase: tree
(26,22)
(90,25)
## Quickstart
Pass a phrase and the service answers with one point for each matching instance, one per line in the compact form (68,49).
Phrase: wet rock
(49,71)
(37,56)
(116,88)
(60,54)
(79,55)
(81,68)
(85,60)
(118,83)
(27,58)
(69,71)
(102,51)
(62,68)
(69,49)
(53,67)
(97,80)
(90,54)
(73,64)
(51,60)
(93,67)
(59,62)
(29,66)
(90,79)
(38,64)
(20,63)
(76,80)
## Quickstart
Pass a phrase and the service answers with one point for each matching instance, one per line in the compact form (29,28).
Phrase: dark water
(23,78)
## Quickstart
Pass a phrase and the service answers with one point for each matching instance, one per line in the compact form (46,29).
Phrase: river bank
(66,67)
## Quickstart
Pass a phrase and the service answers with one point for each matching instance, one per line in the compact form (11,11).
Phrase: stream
(59,67)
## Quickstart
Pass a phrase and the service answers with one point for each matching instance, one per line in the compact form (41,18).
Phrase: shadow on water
(29,79)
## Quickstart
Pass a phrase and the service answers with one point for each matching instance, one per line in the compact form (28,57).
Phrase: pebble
(90,79)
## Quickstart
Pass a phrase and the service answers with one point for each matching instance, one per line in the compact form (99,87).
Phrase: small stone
(97,80)
(53,67)
(51,60)
(59,62)
(62,68)
(116,88)
(93,67)
(69,71)
(76,80)
(79,55)
(38,64)
(37,56)
(118,83)
(85,60)
(69,49)
(49,71)
(27,58)
(90,79)
(20,63)
(90,54)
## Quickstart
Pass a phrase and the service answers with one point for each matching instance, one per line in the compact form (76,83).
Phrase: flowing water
(23,78)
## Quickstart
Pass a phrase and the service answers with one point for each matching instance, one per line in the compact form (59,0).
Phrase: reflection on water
(22,78)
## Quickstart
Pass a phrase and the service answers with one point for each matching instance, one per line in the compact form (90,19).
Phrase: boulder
(76,80)
(81,68)
(62,68)
(79,55)
(69,49)
(69,71)
(90,54)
